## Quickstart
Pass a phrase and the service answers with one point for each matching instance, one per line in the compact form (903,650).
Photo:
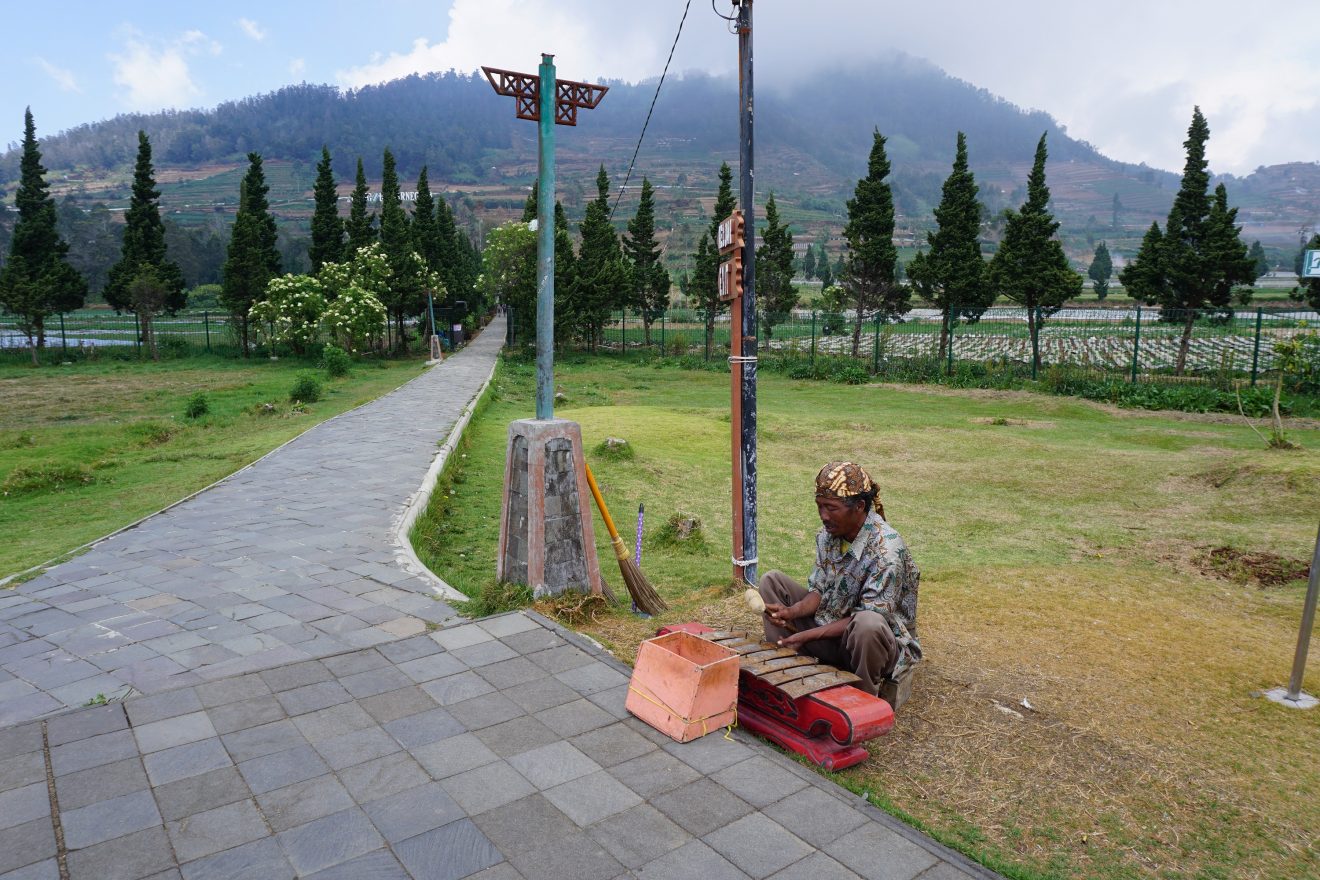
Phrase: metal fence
(1139,344)
(88,334)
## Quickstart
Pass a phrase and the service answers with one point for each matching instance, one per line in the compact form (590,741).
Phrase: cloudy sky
(1123,75)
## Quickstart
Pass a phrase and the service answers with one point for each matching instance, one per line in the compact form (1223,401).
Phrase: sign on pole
(1311,264)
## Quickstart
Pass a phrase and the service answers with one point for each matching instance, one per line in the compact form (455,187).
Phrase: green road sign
(1311,264)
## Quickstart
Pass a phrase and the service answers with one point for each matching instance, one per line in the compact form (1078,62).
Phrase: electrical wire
(654,97)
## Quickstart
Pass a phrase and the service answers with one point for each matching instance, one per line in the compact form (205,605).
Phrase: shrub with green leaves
(336,361)
(291,312)
(306,388)
(197,406)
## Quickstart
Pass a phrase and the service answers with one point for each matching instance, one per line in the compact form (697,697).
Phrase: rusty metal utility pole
(743,361)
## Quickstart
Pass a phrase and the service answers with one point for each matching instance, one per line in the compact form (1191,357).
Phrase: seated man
(859,608)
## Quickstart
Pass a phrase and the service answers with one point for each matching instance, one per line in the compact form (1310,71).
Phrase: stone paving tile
(98,783)
(588,799)
(106,820)
(208,832)
(424,727)
(20,805)
(200,792)
(449,852)
(24,844)
(378,865)
(22,770)
(819,866)
(454,755)
(759,781)
(47,870)
(552,764)
(638,835)
(457,688)
(329,841)
(382,777)
(817,817)
(701,807)
(129,857)
(516,736)
(413,811)
(186,760)
(578,716)
(875,852)
(282,768)
(260,858)
(175,731)
(757,845)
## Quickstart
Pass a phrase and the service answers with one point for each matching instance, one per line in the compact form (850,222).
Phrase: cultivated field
(1091,610)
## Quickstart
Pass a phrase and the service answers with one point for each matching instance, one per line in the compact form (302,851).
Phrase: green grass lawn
(1065,551)
(88,448)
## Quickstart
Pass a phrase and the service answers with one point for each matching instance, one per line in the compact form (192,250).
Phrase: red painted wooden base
(828,727)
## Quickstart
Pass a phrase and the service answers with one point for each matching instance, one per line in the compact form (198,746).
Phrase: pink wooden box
(684,686)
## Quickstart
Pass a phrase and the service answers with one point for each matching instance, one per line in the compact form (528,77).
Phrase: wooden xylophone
(796,701)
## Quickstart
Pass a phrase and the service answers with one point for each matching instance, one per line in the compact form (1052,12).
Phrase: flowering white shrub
(291,312)
(355,318)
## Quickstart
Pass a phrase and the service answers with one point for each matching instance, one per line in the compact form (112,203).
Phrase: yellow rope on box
(728,731)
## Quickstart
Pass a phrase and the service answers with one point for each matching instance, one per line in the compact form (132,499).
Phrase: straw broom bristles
(643,594)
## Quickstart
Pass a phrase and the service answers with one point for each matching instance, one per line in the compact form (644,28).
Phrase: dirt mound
(1242,566)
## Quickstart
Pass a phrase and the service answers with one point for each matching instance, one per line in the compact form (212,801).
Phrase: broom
(643,594)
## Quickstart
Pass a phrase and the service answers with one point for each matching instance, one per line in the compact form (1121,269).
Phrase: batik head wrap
(846,479)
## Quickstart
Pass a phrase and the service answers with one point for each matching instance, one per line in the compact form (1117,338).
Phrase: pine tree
(37,280)
(361,226)
(1030,267)
(1101,270)
(648,279)
(144,241)
(1308,290)
(327,228)
(601,277)
(406,298)
(451,250)
(1190,268)
(1260,262)
(823,270)
(951,275)
(422,227)
(869,282)
(809,264)
(775,292)
(705,284)
(253,259)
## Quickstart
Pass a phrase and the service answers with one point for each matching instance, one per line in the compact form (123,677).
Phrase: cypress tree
(872,260)
(1190,268)
(422,227)
(1030,267)
(144,241)
(648,280)
(406,297)
(37,280)
(327,228)
(600,268)
(1260,262)
(252,259)
(775,292)
(361,226)
(809,263)
(951,275)
(451,256)
(1101,270)
(705,284)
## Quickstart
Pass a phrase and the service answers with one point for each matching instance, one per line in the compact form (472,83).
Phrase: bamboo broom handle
(619,550)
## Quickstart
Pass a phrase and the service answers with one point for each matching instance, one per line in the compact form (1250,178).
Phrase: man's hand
(780,615)
(798,639)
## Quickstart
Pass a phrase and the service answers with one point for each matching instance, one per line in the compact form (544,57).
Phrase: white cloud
(297,67)
(154,76)
(63,77)
(252,29)
(512,34)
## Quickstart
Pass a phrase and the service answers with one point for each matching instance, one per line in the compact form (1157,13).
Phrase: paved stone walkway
(290,558)
(498,749)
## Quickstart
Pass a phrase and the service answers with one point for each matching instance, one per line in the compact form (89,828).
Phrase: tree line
(427,259)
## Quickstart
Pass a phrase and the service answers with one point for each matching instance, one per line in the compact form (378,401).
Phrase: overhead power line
(654,97)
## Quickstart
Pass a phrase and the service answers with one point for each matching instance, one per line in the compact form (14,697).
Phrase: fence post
(623,327)
(813,338)
(137,335)
(875,347)
(1136,347)
(1035,345)
(206,323)
(64,340)
(1255,350)
(662,332)
(948,368)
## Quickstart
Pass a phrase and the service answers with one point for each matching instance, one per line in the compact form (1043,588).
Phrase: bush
(306,389)
(336,361)
(44,477)
(197,406)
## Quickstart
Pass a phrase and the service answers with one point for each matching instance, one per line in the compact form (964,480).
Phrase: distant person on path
(859,608)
